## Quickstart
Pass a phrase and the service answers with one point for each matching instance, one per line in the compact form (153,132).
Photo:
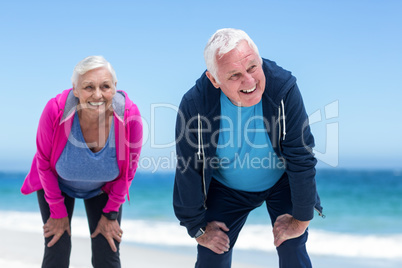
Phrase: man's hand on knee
(215,237)
(286,227)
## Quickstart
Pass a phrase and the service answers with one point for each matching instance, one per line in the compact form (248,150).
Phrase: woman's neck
(88,119)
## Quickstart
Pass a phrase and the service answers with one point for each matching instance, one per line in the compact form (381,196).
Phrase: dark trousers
(232,207)
(58,255)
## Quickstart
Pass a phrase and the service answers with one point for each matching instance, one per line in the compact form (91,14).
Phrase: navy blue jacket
(197,133)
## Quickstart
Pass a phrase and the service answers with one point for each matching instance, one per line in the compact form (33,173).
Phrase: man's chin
(247,102)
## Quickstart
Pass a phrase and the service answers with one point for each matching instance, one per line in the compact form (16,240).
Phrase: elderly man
(243,138)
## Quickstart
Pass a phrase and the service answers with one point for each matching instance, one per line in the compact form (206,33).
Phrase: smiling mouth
(248,91)
(96,103)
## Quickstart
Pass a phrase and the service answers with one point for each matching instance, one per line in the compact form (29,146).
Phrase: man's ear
(212,79)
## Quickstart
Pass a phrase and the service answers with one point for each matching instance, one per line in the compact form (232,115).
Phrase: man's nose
(248,80)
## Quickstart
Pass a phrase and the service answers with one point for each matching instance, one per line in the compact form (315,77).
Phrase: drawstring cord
(201,151)
(283,119)
(199,138)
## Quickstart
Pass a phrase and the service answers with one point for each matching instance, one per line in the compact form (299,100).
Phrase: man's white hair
(90,63)
(220,43)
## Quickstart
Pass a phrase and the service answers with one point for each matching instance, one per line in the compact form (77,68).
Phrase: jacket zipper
(280,151)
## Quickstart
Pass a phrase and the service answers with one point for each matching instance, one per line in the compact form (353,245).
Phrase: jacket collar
(118,105)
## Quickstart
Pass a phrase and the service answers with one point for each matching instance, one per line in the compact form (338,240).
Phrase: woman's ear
(75,91)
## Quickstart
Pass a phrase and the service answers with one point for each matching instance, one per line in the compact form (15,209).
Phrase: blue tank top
(82,173)
(247,160)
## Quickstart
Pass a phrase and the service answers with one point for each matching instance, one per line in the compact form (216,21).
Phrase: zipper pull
(320,214)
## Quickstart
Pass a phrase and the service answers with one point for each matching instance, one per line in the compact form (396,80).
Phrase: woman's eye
(88,87)
(105,87)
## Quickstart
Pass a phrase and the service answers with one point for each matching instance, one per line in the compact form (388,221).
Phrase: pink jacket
(52,135)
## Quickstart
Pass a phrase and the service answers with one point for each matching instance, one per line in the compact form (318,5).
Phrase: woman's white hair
(90,63)
(220,43)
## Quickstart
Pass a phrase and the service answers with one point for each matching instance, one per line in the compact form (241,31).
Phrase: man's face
(240,75)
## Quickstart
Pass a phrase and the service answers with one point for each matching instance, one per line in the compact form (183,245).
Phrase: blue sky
(346,56)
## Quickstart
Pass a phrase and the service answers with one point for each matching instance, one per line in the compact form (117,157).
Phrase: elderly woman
(88,144)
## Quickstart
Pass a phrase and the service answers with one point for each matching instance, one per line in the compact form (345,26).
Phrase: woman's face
(95,90)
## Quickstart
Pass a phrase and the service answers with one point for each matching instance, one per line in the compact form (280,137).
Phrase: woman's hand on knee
(215,237)
(56,228)
(110,229)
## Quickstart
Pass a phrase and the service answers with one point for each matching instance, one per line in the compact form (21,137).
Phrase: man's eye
(88,87)
(234,76)
(252,68)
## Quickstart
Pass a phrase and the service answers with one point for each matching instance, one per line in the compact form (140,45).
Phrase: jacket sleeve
(188,196)
(300,161)
(47,176)
(118,188)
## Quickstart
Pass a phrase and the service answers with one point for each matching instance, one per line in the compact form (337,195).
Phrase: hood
(278,82)
(118,103)
(204,96)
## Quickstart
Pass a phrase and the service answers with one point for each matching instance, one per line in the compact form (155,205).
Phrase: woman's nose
(97,93)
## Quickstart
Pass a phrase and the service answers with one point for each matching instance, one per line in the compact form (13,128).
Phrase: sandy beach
(22,249)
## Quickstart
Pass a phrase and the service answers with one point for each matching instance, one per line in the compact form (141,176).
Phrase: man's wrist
(200,232)
(302,224)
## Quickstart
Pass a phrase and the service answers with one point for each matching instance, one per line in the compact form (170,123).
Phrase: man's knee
(293,254)
(206,258)
(295,243)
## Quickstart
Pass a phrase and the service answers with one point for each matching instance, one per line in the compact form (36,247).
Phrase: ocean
(362,208)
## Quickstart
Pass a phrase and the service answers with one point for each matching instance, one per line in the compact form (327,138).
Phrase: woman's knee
(102,254)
